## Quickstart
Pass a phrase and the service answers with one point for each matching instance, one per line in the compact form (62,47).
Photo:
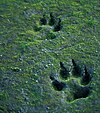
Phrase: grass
(29,53)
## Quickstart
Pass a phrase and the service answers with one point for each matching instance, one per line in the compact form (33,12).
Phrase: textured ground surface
(31,52)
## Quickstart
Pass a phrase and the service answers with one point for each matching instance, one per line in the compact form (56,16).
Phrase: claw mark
(58,85)
(86,78)
(58,26)
(76,69)
(52,19)
(64,73)
(51,77)
(43,20)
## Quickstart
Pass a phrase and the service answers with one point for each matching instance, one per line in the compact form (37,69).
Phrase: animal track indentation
(43,20)
(77,90)
(86,78)
(81,92)
(76,69)
(64,73)
(53,25)
(58,26)
(57,85)
(52,19)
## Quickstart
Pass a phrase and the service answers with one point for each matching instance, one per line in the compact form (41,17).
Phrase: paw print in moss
(48,26)
(53,21)
(68,78)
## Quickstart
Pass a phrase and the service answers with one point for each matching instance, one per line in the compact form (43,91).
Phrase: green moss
(4,96)
(3,109)
(51,35)
(15,69)
(37,51)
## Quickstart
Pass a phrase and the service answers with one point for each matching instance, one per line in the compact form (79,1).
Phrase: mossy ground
(29,53)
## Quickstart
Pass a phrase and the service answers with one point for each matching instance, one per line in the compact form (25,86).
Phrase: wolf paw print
(53,21)
(48,26)
(78,90)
